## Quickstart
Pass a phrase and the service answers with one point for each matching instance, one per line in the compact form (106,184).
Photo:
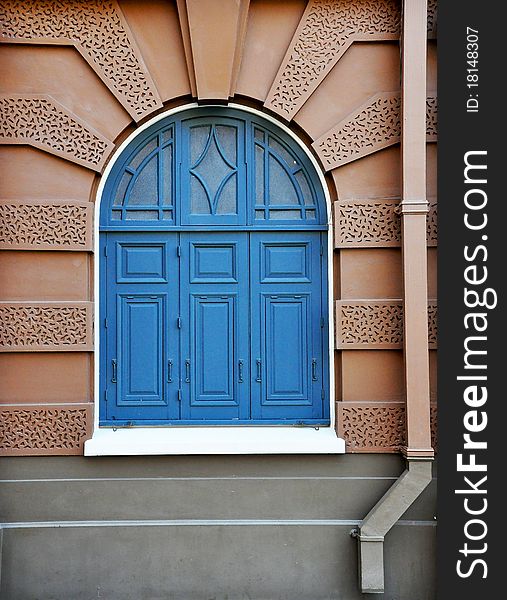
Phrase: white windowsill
(213,440)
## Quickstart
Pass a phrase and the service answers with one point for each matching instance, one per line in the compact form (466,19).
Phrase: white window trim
(107,441)
(213,440)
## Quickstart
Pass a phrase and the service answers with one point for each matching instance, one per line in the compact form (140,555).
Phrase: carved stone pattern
(377,324)
(434,426)
(378,428)
(43,429)
(375,126)
(371,324)
(431,118)
(367,223)
(432,18)
(432,325)
(329,27)
(98,31)
(431,222)
(41,224)
(44,123)
(28,326)
(371,427)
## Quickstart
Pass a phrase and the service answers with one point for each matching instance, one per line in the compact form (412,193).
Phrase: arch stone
(99,32)
(42,122)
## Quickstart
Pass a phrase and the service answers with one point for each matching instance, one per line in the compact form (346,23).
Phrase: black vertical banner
(472,253)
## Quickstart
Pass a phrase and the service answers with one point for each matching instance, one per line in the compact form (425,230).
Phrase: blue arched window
(213,169)
(214,278)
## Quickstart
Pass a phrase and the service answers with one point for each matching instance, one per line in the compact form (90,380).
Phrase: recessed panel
(285,262)
(214,350)
(44,276)
(140,358)
(141,263)
(213,263)
(287,340)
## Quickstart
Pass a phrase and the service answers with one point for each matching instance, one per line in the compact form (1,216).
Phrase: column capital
(418,453)
(414,207)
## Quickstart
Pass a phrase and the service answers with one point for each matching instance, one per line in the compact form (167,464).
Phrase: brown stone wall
(76,79)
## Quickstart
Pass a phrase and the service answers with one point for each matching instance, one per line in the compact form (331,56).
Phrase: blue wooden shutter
(286,332)
(142,339)
(214,334)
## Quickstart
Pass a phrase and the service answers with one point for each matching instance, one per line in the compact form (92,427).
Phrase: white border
(211,440)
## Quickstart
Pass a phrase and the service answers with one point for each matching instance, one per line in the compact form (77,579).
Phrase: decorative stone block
(375,223)
(326,30)
(45,225)
(371,127)
(376,324)
(372,426)
(44,429)
(432,19)
(377,426)
(45,326)
(40,121)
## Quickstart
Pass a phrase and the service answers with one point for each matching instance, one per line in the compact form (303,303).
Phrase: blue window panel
(283,189)
(141,263)
(285,262)
(213,171)
(213,262)
(286,330)
(213,320)
(215,323)
(142,185)
(144,190)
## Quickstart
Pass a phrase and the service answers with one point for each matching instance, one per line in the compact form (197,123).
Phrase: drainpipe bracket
(370,538)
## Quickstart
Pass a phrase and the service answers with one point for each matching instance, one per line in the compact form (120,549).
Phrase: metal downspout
(414,208)
(381,518)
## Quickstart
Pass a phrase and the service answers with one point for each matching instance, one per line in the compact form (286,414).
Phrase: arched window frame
(253,123)
(214,439)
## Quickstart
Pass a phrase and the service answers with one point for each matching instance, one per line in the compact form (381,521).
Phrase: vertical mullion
(177,145)
(160,174)
(178,305)
(212,204)
(249,164)
(249,320)
(266,176)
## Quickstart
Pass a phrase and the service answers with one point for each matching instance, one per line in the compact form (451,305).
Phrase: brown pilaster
(414,209)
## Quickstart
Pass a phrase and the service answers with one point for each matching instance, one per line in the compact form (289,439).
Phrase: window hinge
(105,250)
(105,395)
(179,395)
(105,323)
(178,250)
(321,250)
(179,322)
(322,395)
(321,322)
